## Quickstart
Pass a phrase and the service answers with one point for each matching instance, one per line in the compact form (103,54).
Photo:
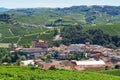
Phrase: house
(90,63)
(33,53)
(96,55)
(38,43)
(27,62)
(76,47)
(115,58)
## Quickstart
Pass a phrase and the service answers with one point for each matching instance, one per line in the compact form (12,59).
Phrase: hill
(86,15)
(32,73)
(111,29)
(3,9)
(26,24)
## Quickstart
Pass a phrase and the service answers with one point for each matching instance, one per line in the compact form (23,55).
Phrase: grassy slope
(4,30)
(47,35)
(30,73)
(9,39)
(11,33)
(46,16)
(79,14)
(112,72)
(29,34)
(110,29)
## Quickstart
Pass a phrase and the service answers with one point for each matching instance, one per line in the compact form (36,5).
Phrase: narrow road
(11,32)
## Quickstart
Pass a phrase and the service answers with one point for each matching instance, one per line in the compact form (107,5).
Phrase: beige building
(39,44)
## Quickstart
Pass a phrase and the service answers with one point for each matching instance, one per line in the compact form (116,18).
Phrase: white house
(90,63)
(28,62)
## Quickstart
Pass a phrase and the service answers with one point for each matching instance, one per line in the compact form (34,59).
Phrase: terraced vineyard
(21,34)
(26,35)
(33,73)
(110,29)
(24,25)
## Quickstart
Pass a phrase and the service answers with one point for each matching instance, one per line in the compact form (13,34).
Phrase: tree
(56,43)
(70,35)
(55,32)
(117,66)
(75,35)
(48,56)
(26,45)
(23,57)
(7,59)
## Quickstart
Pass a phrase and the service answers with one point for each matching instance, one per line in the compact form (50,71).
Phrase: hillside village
(59,40)
(75,56)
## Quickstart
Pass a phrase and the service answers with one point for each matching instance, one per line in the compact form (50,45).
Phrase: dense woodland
(76,35)
(3,53)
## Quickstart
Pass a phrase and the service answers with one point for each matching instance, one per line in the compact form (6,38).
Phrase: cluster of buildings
(74,56)
(38,48)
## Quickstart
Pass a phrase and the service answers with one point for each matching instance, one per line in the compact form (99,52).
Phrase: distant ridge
(3,9)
